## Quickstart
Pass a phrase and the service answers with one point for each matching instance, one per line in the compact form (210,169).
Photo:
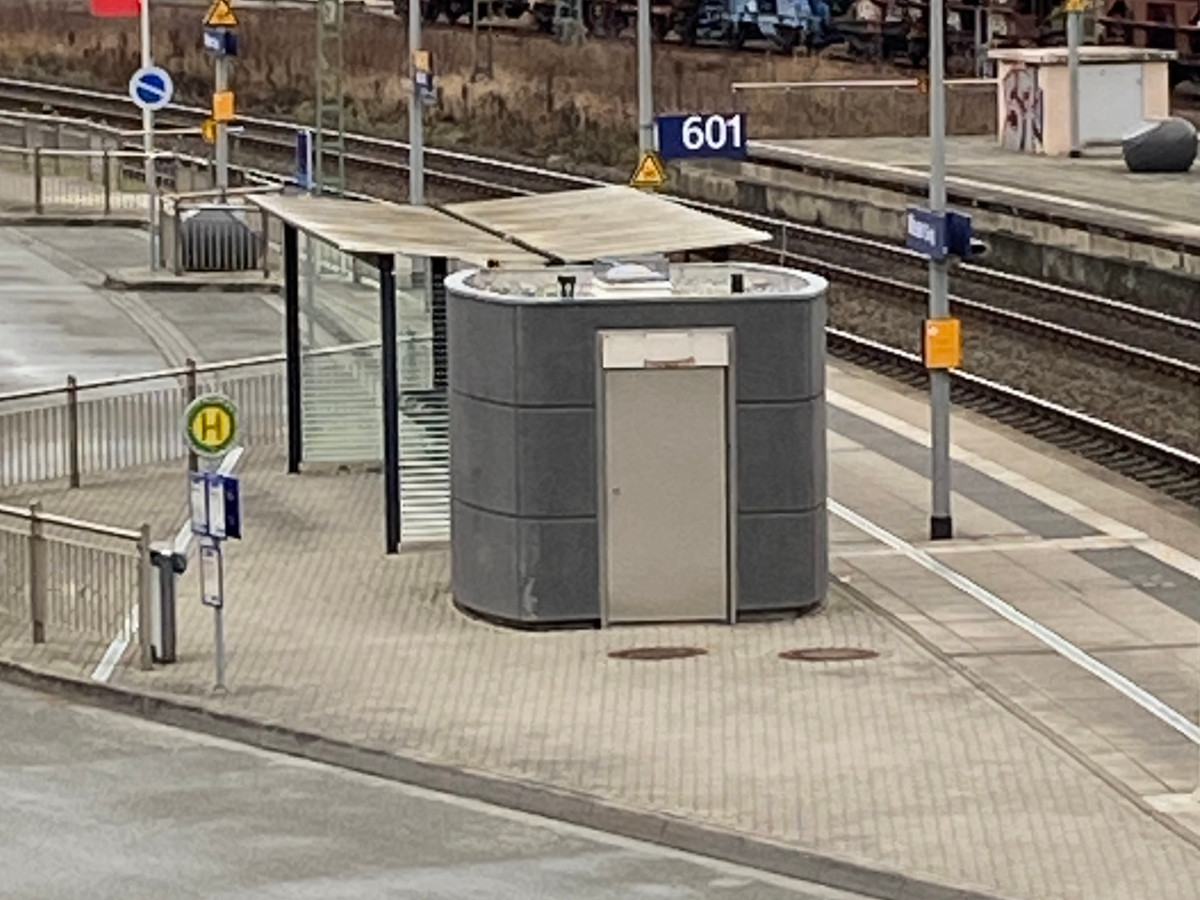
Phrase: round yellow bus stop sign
(210,425)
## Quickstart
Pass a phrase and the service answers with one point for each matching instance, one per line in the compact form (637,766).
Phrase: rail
(74,578)
(514,177)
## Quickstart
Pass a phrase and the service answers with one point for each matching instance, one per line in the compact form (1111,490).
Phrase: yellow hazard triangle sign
(650,172)
(220,15)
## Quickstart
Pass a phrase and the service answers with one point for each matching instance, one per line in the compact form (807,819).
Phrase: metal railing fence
(102,426)
(67,576)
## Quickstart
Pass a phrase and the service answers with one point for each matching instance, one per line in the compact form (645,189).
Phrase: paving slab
(1097,184)
(965,752)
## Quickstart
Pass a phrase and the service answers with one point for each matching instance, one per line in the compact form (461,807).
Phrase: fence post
(145,599)
(106,177)
(190,381)
(37,181)
(265,244)
(177,238)
(58,145)
(37,573)
(73,430)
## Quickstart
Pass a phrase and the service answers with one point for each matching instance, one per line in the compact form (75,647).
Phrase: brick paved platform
(965,752)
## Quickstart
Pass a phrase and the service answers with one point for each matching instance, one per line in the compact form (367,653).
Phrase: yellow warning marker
(222,106)
(208,130)
(421,61)
(650,171)
(220,15)
(941,346)
(1076,6)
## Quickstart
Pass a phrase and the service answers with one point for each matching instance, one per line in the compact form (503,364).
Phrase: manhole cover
(829,654)
(658,653)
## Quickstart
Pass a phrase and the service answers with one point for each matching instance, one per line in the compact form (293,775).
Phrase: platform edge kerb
(918,187)
(996,696)
(548,802)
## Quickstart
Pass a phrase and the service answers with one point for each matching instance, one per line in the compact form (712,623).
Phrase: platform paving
(965,752)
(1096,184)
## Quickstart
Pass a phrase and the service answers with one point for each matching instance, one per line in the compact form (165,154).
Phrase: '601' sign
(700,135)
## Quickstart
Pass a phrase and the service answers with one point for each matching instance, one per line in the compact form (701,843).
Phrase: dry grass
(543,99)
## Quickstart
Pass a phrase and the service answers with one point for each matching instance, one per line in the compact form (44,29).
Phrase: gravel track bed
(1143,401)
(1049,307)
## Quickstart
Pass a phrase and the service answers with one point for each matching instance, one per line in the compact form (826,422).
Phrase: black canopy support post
(391,401)
(437,282)
(291,328)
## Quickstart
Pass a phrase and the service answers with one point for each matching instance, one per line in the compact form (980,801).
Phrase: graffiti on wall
(1022,111)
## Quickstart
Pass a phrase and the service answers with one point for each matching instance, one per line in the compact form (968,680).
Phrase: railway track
(874,281)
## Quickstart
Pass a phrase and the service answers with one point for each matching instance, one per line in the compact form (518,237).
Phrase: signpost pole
(222,85)
(940,522)
(1074,38)
(645,78)
(148,142)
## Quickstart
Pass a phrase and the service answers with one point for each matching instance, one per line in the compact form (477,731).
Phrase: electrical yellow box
(222,107)
(941,344)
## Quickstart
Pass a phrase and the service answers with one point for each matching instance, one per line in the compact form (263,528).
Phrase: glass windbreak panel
(424,415)
(340,369)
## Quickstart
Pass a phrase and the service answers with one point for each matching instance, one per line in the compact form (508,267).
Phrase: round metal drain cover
(658,653)
(829,654)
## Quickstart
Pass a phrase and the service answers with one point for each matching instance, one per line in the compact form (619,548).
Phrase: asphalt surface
(100,805)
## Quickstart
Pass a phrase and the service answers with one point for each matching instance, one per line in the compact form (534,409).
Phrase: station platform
(961,750)
(1097,187)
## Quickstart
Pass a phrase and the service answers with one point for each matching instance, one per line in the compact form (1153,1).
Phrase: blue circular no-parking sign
(151,87)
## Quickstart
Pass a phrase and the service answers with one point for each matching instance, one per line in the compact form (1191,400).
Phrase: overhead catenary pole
(645,78)
(940,523)
(416,125)
(148,141)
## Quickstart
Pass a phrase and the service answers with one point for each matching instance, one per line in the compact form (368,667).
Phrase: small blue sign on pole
(700,135)
(939,235)
(304,158)
(220,41)
(927,233)
(216,507)
(151,88)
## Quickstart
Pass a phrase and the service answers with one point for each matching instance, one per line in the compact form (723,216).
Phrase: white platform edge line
(1051,639)
(1171,556)
(183,539)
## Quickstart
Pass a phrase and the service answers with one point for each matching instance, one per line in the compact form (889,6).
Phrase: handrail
(862,83)
(28,515)
(180,371)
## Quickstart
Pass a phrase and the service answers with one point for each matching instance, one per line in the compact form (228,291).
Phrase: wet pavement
(54,326)
(101,805)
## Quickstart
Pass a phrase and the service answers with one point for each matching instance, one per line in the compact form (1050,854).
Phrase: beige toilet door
(666,525)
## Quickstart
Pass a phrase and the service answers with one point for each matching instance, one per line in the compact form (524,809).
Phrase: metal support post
(940,522)
(189,396)
(416,123)
(145,599)
(73,430)
(1074,38)
(148,144)
(291,293)
(391,401)
(437,287)
(37,572)
(222,85)
(645,64)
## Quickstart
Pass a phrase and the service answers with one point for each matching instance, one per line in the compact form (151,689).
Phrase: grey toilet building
(636,441)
